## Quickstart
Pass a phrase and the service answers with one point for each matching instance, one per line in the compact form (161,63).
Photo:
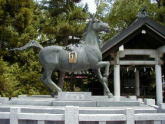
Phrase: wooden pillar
(159,91)
(137,83)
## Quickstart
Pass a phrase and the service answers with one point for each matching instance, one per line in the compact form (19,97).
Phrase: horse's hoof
(53,94)
(110,95)
(59,90)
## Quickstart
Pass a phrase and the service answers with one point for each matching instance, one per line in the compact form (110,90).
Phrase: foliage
(8,81)
(65,20)
(19,24)
(124,12)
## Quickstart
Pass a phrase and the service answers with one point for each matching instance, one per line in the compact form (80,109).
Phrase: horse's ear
(93,17)
(90,15)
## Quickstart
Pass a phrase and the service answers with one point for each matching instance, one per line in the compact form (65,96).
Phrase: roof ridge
(139,22)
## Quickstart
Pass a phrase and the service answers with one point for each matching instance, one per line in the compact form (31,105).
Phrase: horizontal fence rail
(71,115)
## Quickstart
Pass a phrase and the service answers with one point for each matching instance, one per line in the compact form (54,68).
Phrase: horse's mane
(89,24)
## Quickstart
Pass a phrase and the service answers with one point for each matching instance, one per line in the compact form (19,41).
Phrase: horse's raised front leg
(106,65)
(104,79)
(48,81)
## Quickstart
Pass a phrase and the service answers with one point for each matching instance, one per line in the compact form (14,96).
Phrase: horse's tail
(32,43)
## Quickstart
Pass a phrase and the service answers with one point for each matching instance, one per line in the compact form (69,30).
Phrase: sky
(91,5)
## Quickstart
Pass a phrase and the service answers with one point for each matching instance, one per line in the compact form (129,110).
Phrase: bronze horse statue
(74,58)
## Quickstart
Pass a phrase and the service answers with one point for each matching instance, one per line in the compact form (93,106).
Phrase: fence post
(72,115)
(157,122)
(130,116)
(41,122)
(102,122)
(14,115)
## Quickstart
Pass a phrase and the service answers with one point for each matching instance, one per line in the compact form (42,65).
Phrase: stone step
(75,103)
(119,103)
(81,103)
(82,110)
(96,103)
(30,102)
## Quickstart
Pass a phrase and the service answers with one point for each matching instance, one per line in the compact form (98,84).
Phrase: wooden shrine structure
(141,44)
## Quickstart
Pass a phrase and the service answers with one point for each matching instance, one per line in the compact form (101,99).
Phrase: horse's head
(91,33)
(99,26)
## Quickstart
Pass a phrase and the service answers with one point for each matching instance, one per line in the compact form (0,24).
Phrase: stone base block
(149,101)
(82,99)
(74,96)
(133,97)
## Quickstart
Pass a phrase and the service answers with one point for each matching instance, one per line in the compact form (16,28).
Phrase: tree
(8,82)
(102,8)
(124,12)
(19,23)
(65,21)
(160,3)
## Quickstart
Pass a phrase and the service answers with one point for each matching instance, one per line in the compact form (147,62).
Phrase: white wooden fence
(72,116)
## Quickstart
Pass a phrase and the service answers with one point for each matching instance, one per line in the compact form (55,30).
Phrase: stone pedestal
(72,104)
(74,96)
(81,99)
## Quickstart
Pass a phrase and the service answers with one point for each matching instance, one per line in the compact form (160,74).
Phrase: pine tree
(65,21)
(8,82)
(19,23)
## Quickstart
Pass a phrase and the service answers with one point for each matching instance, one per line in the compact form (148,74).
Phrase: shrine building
(140,48)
